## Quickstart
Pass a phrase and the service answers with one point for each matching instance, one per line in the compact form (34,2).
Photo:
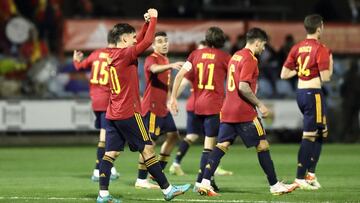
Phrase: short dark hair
(161,33)
(120,29)
(256,33)
(110,38)
(312,22)
(215,37)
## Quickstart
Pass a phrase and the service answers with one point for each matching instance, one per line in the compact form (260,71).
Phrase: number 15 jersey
(308,57)
(209,67)
(99,78)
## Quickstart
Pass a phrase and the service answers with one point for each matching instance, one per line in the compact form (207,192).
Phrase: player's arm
(149,35)
(81,63)
(287,73)
(156,68)
(325,63)
(177,81)
(140,35)
(245,89)
(184,83)
(289,68)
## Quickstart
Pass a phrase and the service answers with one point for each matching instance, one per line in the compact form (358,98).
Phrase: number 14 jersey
(209,67)
(308,57)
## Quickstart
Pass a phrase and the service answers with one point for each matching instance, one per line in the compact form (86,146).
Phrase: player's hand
(147,17)
(77,56)
(177,65)
(265,112)
(173,106)
(153,13)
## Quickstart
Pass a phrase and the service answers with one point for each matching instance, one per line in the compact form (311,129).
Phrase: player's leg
(139,140)
(114,144)
(100,147)
(193,129)
(227,134)
(168,127)
(253,135)
(211,129)
(142,182)
(307,103)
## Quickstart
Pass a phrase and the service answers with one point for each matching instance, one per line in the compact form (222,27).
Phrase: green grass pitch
(62,174)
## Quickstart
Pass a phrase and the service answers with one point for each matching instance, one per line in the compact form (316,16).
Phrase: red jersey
(191,100)
(308,57)
(243,67)
(124,79)
(157,85)
(209,66)
(99,78)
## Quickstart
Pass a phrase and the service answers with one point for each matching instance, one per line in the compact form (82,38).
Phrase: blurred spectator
(270,67)
(289,42)
(350,90)
(240,43)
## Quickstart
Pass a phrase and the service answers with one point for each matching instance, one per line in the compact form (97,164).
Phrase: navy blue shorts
(159,125)
(193,124)
(311,103)
(131,130)
(250,132)
(100,120)
(210,124)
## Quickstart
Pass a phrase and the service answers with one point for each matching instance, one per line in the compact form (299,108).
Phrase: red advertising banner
(91,34)
(340,38)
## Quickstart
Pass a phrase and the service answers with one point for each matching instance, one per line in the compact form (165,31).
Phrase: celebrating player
(312,62)
(125,123)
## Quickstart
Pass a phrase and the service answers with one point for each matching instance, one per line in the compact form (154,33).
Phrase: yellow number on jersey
(231,80)
(103,73)
(303,70)
(114,81)
(209,85)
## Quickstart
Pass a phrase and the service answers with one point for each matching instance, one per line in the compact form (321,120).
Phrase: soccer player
(239,116)
(124,121)
(208,66)
(312,62)
(99,94)
(154,109)
(192,131)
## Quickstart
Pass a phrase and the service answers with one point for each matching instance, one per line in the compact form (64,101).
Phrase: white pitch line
(48,198)
(141,199)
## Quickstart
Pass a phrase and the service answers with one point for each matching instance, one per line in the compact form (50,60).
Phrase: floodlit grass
(62,174)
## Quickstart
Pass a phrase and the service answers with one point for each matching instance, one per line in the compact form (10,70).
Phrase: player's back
(99,78)
(209,69)
(124,83)
(309,57)
(243,67)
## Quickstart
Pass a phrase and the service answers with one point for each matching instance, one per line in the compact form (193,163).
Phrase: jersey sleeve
(147,41)
(85,63)
(290,62)
(140,35)
(149,61)
(323,58)
(247,71)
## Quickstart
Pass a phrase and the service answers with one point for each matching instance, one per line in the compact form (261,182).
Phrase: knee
(172,136)
(191,137)
(148,152)
(262,146)
(112,154)
(224,146)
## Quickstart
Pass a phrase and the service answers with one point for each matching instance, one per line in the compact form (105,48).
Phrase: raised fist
(153,13)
